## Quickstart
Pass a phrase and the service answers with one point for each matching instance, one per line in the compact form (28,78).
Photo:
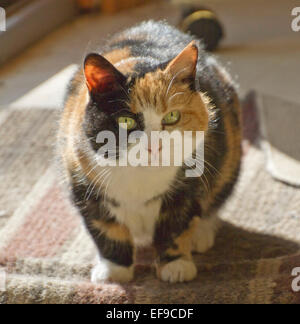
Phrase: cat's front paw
(177,271)
(108,271)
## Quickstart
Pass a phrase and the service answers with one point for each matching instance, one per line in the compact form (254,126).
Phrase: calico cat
(151,77)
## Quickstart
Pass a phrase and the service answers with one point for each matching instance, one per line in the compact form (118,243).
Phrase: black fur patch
(102,114)
(115,251)
(92,209)
(177,212)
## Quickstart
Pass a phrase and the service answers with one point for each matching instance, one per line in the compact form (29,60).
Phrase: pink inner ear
(99,80)
(184,65)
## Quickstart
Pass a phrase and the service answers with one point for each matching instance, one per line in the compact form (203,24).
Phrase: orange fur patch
(159,91)
(113,231)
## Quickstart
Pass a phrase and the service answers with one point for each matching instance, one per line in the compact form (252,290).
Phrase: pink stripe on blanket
(45,230)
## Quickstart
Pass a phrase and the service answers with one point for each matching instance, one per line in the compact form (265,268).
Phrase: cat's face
(162,101)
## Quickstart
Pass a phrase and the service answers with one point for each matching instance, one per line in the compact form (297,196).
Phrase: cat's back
(145,47)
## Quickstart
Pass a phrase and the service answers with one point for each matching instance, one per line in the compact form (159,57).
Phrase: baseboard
(31,22)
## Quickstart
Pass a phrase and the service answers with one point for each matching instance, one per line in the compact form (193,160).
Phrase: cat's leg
(116,250)
(113,240)
(175,262)
(205,233)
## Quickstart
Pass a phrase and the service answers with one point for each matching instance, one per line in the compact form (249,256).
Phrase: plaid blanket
(46,254)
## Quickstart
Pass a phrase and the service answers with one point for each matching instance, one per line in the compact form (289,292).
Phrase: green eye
(172,118)
(128,121)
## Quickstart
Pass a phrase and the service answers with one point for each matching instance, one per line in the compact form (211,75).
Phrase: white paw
(108,271)
(178,271)
(204,237)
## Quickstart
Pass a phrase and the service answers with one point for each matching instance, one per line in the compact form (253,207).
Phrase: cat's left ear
(101,76)
(184,66)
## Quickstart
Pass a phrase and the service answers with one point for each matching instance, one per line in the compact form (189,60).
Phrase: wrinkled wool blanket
(46,254)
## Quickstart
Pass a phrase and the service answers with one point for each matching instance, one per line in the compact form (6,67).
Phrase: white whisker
(174,95)
(173,79)
(106,188)
(106,177)
(95,181)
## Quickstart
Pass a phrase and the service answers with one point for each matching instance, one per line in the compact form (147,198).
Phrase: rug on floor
(46,254)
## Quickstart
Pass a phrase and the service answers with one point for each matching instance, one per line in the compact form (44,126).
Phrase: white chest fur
(134,189)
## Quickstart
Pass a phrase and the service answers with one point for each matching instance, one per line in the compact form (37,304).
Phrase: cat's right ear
(101,76)
(183,67)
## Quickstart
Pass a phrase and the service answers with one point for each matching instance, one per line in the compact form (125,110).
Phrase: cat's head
(163,100)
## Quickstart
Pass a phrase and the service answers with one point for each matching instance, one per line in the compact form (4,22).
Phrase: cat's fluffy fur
(156,69)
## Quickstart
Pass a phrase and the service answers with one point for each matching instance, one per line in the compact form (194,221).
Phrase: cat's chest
(138,200)
(139,185)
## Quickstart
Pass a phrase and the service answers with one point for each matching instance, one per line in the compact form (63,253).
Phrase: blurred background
(44,37)
(43,247)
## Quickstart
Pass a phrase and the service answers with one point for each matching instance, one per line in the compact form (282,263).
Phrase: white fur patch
(134,189)
(108,271)
(204,237)
(178,271)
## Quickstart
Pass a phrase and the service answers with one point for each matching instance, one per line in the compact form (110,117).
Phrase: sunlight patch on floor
(49,94)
